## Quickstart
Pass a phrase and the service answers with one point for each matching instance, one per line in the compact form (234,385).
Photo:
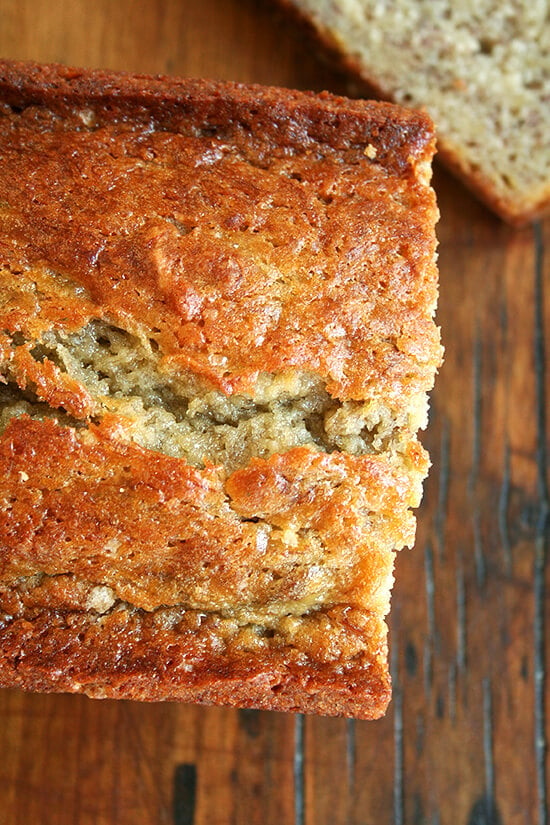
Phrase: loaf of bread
(482,70)
(217,338)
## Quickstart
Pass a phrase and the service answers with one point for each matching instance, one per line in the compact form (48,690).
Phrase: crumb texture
(482,71)
(216,341)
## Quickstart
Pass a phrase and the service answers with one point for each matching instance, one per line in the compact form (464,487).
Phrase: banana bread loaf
(481,69)
(217,338)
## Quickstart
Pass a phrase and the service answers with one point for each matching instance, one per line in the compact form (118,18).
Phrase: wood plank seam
(185,785)
(542,537)
(299,768)
(443,490)
(398,744)
(503,504)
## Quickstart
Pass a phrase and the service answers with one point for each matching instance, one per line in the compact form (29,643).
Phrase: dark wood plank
(477,725)
(327,787)
(225,39)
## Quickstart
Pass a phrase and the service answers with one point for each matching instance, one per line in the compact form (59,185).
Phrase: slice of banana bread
(481,69)
(217,337)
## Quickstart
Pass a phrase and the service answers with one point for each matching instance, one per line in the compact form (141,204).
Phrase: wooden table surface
(464,741)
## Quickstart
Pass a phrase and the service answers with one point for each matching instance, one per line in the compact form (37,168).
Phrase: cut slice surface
(481,70)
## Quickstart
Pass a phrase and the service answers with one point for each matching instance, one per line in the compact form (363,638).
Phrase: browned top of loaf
(239,230)
(200,214)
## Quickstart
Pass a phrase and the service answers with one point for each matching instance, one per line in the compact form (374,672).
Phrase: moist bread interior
(185,418)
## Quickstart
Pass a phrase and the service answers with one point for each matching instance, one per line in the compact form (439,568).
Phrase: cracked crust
(216,316)
(262,588)
(272,274)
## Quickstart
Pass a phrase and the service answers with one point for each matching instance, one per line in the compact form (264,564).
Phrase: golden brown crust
(516,212)
(267,120)
(188,570)
(238,231)
(128,654)
(162,533)
(226,250)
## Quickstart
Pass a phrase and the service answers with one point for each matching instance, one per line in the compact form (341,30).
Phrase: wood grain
(465,740)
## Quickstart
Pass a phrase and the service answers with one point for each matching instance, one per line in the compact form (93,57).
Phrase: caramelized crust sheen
(237,252)
(188,263)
